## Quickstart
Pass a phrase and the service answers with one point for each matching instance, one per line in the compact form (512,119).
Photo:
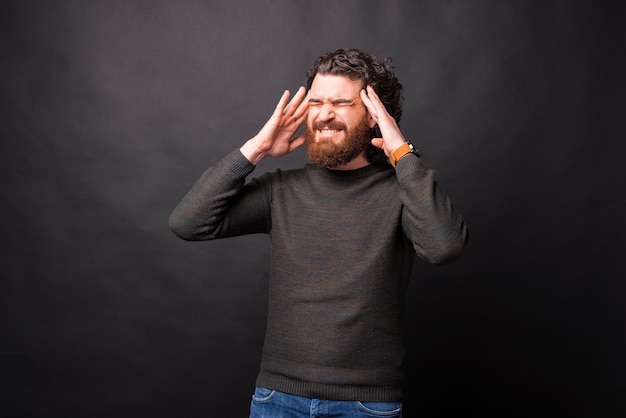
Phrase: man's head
(339,127)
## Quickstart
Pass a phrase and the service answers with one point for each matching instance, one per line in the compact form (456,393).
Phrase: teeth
(326,131)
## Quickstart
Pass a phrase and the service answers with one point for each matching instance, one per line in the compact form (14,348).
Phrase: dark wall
(110,110)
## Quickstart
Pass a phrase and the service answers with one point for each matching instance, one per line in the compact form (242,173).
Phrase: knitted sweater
(342,246)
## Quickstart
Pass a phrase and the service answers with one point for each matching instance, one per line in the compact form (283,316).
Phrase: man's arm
(209,210)
(435,228)
(429,219)
(219,205)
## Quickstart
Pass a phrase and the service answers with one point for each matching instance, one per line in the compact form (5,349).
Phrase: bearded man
(344,230)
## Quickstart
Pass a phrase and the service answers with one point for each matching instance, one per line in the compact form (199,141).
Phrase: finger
(369,105)
(374,99)
(300,119)
(299,95)
(280,107)
(303,107)
(296,143)
(295,102)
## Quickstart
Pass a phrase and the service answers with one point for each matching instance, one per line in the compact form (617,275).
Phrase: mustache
(328,125)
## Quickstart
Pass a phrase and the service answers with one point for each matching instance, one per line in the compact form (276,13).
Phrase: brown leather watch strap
(400,152)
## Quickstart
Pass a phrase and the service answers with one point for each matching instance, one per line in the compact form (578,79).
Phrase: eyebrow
(339,101)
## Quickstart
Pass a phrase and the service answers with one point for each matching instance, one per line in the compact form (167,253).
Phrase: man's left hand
(392,136)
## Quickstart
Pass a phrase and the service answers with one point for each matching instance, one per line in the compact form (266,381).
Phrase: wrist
(402,151)
(252,152)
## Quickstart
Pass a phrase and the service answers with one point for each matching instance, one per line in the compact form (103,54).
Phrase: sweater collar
(359,172)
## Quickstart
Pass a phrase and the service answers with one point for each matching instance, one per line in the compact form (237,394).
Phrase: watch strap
(400,152)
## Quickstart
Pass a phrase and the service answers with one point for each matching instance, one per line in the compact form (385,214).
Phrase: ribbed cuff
(410,164)
(235,166)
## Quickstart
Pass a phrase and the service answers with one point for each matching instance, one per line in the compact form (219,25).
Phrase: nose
(327,112)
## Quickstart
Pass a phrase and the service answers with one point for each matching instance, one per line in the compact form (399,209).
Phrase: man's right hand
(275,138)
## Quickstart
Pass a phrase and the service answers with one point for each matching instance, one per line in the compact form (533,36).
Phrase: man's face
(338,124)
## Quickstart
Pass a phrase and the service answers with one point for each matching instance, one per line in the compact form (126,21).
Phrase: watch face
(413,149)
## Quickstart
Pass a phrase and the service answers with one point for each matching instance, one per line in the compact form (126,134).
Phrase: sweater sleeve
(221,205)
(436,230)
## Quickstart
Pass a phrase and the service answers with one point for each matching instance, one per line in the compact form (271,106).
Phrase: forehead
(332,86)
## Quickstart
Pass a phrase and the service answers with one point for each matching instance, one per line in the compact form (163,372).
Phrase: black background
(110,110)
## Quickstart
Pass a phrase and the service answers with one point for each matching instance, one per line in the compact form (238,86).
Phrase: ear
(370,120)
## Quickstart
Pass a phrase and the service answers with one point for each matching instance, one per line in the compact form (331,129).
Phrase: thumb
(378,142)
(296,142)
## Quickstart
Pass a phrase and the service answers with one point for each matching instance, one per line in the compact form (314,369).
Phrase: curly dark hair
(359,65)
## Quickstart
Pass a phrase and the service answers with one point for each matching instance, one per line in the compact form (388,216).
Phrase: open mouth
(327,131)
(328,134)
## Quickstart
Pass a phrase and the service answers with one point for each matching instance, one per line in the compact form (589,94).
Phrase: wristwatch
(403,150)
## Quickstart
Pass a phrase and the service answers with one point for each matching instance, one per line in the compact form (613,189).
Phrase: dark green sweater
(342,244)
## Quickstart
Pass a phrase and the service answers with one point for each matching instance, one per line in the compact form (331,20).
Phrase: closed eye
(337,102)
(342,102)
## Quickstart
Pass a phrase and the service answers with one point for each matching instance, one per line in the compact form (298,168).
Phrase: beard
(330,154)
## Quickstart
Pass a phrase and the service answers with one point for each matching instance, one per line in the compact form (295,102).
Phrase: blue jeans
(267,403)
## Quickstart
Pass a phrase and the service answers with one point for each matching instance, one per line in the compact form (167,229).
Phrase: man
(344,230)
